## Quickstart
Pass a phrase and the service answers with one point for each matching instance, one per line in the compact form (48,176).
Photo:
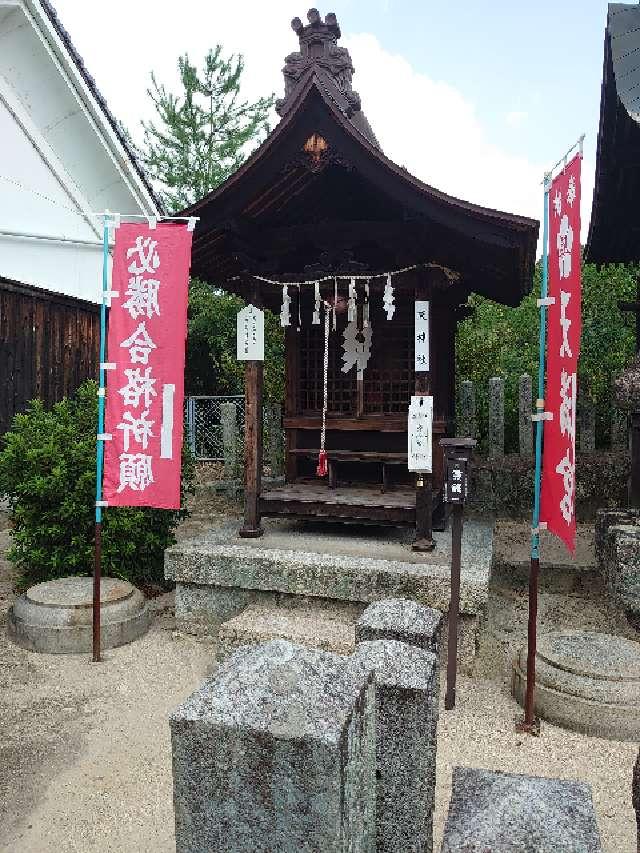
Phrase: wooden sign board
(420,433)
(421,336)
(456,485)
(250,334)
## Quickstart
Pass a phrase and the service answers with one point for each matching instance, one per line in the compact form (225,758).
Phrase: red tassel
(321,470)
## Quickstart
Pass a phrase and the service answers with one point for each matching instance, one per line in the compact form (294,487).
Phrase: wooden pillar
(253,381)
(359,376)
(424,482)
(291,383)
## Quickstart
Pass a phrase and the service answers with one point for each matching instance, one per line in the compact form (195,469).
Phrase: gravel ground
(85,747)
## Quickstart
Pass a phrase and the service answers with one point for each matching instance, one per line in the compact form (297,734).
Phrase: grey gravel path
(84,748)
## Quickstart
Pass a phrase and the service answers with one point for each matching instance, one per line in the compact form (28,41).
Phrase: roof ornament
(319,48)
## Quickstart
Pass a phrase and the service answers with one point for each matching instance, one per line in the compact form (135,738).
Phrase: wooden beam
(253,382)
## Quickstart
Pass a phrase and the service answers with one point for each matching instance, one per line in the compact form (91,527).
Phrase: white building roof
(64,157)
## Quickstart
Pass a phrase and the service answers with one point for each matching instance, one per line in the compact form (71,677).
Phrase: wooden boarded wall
(49,344)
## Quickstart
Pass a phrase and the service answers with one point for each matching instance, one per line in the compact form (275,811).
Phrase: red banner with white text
(557,507)
(146,344)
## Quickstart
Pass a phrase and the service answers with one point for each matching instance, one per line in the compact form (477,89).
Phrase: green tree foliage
(212,367)
(501,341)
(47,472)
(200,137)
(204,133)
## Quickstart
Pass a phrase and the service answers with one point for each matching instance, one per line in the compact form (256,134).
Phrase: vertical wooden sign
(420,432)
(250,334)
(421,335)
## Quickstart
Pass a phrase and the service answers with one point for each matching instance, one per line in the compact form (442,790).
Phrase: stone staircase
(329,626)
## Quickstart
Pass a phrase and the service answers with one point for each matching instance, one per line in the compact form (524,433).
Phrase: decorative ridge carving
(319,47)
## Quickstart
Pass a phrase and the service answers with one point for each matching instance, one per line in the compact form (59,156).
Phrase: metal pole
(454,606)
(100,443)
(529,724)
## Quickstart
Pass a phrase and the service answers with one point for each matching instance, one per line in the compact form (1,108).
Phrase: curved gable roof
(493,252)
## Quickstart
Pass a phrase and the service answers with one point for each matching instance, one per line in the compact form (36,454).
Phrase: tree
(501,341)
(212,367)
(203,134)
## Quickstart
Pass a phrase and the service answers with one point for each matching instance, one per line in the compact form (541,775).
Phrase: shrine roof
(615,217)
(320,197)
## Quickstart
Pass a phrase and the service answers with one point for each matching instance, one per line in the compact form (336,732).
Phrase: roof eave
(51,29)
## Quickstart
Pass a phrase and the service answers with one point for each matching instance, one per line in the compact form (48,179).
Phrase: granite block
(406,741)
(635,795)
(277,753)
(525,407)
(585,681)
(507,813)
(496,417)
(617,546)
(402,620)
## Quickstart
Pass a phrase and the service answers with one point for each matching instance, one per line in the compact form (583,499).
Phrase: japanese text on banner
(145,393)
(557,507)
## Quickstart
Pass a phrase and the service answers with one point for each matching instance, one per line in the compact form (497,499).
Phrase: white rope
(334,277)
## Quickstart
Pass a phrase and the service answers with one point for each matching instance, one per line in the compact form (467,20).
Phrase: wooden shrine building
(319,208)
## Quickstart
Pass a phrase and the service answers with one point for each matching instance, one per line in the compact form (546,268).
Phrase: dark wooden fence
(49,344)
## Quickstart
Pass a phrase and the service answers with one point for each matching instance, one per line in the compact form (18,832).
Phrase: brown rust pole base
(529,724)
(96,592)
(454,607)
(251,532)
(424,541)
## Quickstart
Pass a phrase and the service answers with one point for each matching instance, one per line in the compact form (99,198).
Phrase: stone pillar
(627,396)
(636,795)
(619,429)
(402,620)
(229,424)
(557,813)
(496,417)
(401,623)
(467,420)
(277,752)
(525,410)
(587,427)
(274,438)
(406,742)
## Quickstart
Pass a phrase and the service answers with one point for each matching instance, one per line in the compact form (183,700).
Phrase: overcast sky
(476,98)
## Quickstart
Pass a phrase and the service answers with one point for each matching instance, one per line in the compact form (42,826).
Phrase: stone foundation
(218,577)
(586,682)
(56,617)
(209,612)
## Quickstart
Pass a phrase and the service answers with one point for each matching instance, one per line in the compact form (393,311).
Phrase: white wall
(33,202)
(59,162)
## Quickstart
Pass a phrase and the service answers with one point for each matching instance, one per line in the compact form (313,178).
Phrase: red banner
(557,507)
(146,342)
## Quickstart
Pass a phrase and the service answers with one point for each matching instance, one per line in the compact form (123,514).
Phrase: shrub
(47,473)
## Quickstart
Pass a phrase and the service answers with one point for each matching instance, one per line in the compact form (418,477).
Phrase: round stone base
(55,617)
(586,682)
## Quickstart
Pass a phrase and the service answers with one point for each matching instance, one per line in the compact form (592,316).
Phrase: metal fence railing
(204,427)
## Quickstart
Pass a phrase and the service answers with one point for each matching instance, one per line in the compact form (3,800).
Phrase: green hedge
(47,473)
